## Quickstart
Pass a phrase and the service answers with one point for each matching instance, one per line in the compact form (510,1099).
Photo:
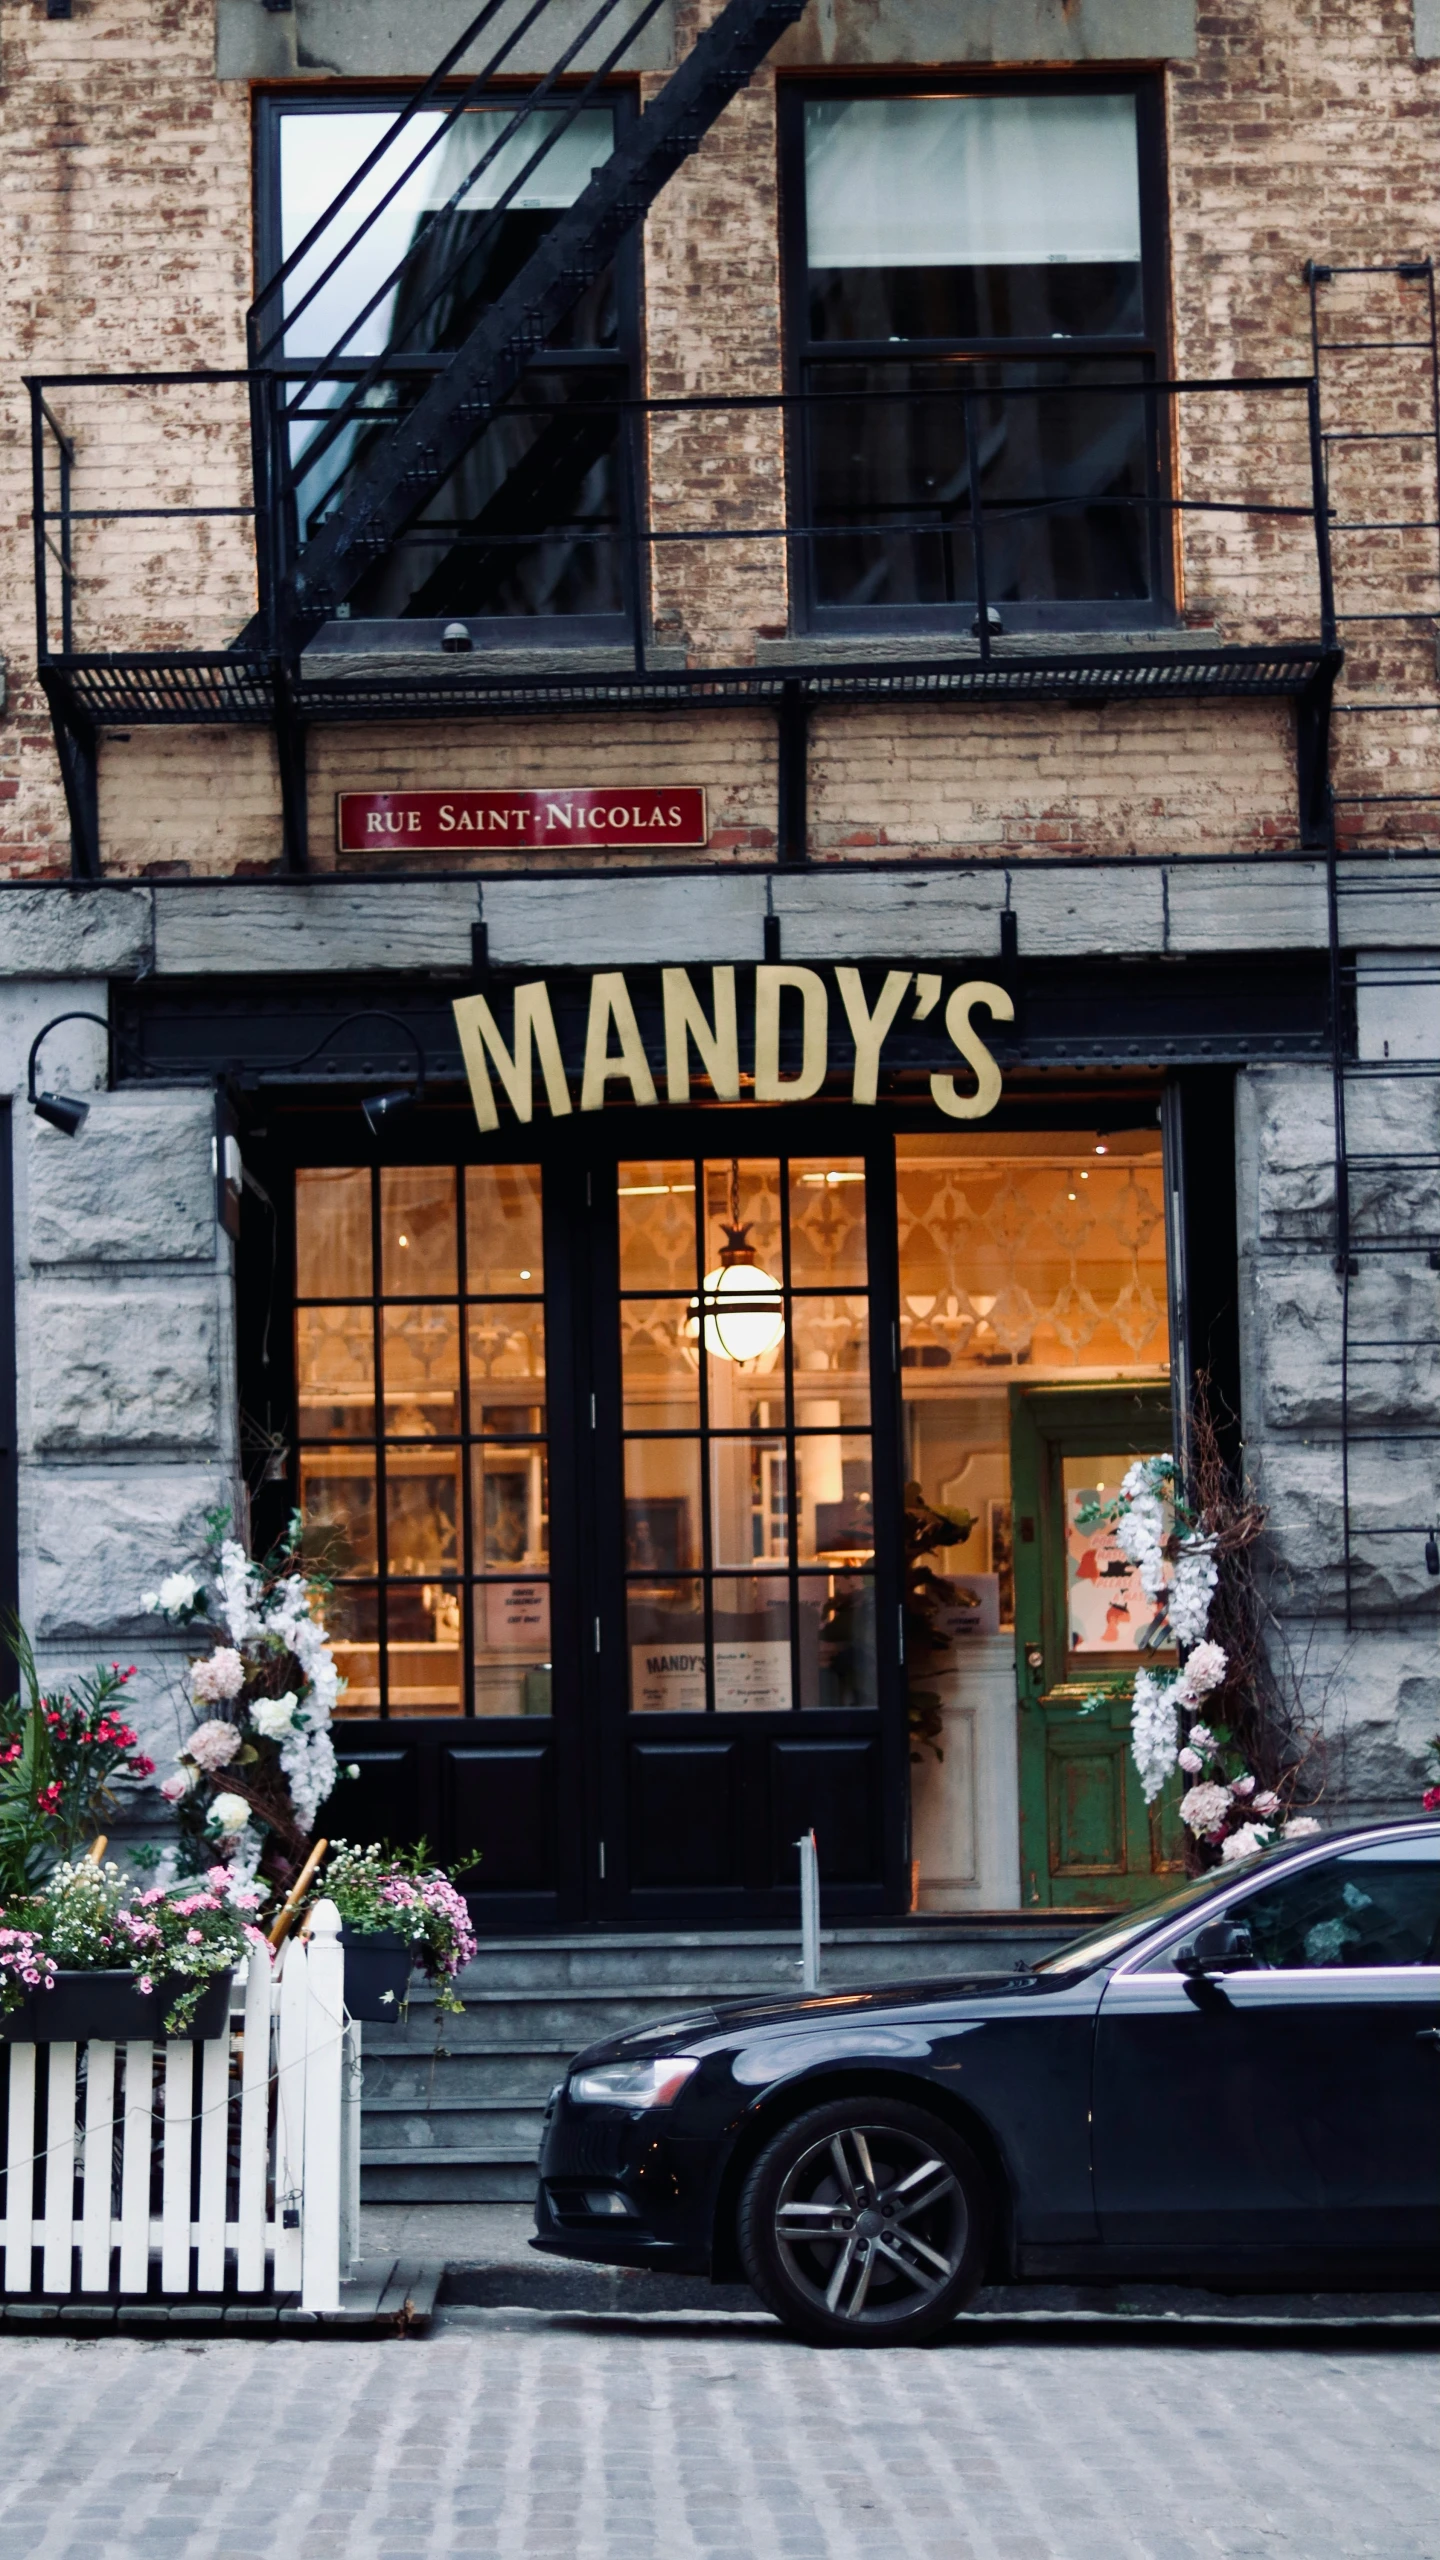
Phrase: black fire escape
(347,453)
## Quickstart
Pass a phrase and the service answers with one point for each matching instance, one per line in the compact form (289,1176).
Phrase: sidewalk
(491,2267)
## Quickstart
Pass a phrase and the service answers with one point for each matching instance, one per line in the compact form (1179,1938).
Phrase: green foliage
(928,1596)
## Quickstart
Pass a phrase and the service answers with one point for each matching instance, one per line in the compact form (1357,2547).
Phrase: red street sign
(560,821)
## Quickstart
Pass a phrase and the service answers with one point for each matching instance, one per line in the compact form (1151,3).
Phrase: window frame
(626,357)
(1153,346)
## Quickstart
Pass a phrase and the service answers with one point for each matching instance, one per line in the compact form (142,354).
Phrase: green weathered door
(1086,1833)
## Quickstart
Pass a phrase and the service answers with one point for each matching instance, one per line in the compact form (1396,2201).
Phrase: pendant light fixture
(743,1307)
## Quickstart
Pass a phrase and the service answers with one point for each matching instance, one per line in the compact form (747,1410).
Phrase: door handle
(1428,2035)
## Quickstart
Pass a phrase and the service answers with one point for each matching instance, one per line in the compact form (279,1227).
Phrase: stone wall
(1376,1690)
(125,1350)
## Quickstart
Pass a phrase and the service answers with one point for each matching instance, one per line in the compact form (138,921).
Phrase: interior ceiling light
(743,1307)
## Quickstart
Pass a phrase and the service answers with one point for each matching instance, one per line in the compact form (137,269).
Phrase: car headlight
(653,2083)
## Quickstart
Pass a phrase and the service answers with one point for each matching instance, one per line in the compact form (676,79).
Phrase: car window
(1377,1906)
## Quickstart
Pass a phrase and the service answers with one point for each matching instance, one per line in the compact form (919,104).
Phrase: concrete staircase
(453,2106)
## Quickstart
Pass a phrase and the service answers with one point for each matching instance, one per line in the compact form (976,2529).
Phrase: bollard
(809,1912)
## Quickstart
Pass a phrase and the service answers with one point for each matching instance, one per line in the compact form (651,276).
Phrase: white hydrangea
(1204,1670)
(1246,1842)
(229,1813)
(1154,1739)
(177,1594)
(274,1717)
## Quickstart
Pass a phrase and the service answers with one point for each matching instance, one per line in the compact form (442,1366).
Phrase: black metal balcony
(581,542)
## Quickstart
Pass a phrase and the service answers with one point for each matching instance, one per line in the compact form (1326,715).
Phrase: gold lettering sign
(615,1051)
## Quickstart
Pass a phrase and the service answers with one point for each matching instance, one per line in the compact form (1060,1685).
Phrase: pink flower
(212,1746)
(194,1938)
(220,1676)
(142,1766)
(1191,1762)
(1242,1786)
(172,1789)
(1430,1801)
(1267,1801)
(146,1985)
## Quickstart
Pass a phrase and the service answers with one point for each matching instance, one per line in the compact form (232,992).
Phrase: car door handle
(1427,2035)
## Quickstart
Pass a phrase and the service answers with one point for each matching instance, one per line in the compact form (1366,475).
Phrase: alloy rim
(871,2224)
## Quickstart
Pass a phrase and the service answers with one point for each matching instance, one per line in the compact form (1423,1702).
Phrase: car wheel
(864,2224)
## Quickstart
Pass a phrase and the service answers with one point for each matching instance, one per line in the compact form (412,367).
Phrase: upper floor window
(527,528)
(974,297)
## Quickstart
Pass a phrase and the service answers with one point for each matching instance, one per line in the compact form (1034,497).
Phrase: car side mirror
(1220,1946)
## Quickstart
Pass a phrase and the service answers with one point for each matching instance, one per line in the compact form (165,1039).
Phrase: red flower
(142,1766)
(1431,1800)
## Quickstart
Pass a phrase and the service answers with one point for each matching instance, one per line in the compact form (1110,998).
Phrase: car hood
(819,2021)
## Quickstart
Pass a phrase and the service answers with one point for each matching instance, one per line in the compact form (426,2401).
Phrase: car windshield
(1127,1929)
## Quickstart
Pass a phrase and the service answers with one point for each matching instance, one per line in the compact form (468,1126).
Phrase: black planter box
(108,2008)
(377,1971)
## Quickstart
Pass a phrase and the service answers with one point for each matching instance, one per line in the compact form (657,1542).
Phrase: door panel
(1270,2111)
(383,1801)
(683,1813)
(833,1789)
(1085,1800)
(503,1810)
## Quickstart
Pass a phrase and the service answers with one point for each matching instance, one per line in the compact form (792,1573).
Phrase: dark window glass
(941,233)
(528,524)
(1376,1906)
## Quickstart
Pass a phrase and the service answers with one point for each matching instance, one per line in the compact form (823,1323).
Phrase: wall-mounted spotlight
(62,1110)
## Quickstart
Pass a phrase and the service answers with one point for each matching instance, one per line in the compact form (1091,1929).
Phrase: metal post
(1320,495)
(809,1912)
(977,527)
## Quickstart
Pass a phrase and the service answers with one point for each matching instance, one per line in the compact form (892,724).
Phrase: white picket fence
(250,2143)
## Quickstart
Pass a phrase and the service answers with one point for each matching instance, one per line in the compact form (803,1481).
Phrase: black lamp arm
(53,1025)
(347,1023)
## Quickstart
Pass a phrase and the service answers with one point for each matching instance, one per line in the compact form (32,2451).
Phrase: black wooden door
(618,1609)
(740,1542)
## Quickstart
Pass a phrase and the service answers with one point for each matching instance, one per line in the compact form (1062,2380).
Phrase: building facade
(720,771)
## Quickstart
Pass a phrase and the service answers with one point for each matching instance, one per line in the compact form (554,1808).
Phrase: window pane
(320,152)
(421,1352)
(752,1643)
(332,1233)
(335,1372)
(417,1231)
(422,1653)
(836,1514)
(837,1641)
(504,1248)
(973,217)
(666,1636)
(744,1196)
(507,1346)
(659,1363)
(1379,1907)
(528,522)
(657,1226)
(827,1223)
(507,1420)
(421,1511)
(352,1614)
(831,1354)
(662,1506)
(337,1505)
(1106,1606)
(512,1649)
(749,1501)
(891,483)
(511,1497)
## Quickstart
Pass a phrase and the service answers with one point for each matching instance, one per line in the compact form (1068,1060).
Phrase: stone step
(454,2106)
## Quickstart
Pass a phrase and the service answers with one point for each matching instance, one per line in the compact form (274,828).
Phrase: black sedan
(1240,2083)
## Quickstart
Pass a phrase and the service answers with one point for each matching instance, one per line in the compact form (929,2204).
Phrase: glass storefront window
(1024,1258)
(430,1506)
(745,1369)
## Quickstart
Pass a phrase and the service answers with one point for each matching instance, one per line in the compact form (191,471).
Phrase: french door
(600,1445)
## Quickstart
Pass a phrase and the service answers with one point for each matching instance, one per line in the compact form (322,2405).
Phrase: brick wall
(125,227)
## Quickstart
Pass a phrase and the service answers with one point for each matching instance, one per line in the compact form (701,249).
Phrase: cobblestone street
(533,2435)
